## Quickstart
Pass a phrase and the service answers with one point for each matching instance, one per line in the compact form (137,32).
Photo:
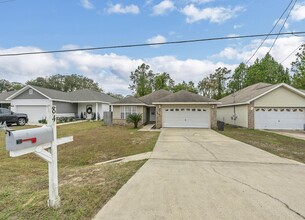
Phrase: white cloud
(156,39)
(298,12)
(214,15)
(282,48)
(23,68)
(120,9)
(237,26)
(87,4)
(163,7)
(201,1)
(281,22)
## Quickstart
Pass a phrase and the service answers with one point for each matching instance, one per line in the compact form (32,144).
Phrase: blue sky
(32,25)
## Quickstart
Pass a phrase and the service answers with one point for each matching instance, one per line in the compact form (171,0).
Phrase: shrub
(135,119)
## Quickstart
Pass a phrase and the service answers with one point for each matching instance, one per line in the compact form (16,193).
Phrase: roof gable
(253,92)
(156,95)
(84,95)
(185,96)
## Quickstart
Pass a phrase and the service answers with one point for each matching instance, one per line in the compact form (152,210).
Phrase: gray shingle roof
(129,100)
(52,93)
(185,96)
(247,94)
(156,95)
(89,95)
(5,95)
(77,96)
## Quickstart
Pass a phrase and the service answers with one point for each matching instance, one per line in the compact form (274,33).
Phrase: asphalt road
(200,174)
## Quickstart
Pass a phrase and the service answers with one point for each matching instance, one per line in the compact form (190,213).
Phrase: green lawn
(277,144)
(84,187)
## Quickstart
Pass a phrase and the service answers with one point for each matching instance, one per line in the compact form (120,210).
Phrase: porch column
(96,111)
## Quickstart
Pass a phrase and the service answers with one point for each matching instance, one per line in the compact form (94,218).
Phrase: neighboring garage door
(34,113)
(186,117)
(279,118)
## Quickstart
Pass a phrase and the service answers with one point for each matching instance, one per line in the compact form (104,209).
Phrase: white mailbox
(17,140)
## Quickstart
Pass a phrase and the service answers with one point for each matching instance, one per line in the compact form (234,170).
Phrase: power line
(269,32)
(291,53)
(282,26)
(148,44)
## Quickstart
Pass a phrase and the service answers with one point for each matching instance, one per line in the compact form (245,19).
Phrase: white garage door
(186,117)
(279,118)
(34,113)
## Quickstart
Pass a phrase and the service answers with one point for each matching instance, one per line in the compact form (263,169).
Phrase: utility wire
(269,32)
(148,44)
(291,53)
(282,26)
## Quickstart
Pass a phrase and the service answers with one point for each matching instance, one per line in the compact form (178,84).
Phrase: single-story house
(4,103)
(166,109)
(264,106)
(34,101)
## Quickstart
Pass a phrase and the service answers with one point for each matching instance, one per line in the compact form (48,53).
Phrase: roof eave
(233,104)
(185,103)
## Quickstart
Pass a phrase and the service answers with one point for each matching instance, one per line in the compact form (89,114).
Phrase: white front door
(279,118)
(34,112)
(152,114)
(186,117)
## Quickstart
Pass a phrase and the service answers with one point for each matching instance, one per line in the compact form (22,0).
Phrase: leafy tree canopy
(190,86)
(298,68)
(163,81)
(142,80)
(6,86)
(65,83)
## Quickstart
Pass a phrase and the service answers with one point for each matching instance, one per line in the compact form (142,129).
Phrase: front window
(127,110)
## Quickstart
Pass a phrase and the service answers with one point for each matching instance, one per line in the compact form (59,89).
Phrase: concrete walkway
(200,174)
(294,134)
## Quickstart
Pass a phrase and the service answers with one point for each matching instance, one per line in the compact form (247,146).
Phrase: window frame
(127,110)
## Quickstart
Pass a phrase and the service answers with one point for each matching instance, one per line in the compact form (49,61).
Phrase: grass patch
(84,187)
(277,144)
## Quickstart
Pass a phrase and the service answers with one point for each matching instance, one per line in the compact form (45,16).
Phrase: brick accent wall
(119,122)
(251,115)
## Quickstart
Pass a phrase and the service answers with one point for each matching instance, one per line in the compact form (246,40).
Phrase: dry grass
(277,144)
(84,187)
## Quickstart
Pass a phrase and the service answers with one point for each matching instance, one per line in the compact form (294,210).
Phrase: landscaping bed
(277,144)
(84,187)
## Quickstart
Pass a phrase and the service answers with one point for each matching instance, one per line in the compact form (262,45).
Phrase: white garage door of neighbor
(279,118)
(186,117)
(35,113)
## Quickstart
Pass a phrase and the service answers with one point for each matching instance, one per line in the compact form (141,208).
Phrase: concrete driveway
(200,174)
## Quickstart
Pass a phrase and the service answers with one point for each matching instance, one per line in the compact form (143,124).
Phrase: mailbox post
(54,199)
(43,142)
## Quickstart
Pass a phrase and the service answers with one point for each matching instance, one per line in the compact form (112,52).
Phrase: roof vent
(30,91)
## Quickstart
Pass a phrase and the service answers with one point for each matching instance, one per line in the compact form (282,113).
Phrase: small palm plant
(135,119)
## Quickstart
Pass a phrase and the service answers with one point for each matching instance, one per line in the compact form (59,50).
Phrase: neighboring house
(264,106)
(3,96)
(167,109)
(34,101)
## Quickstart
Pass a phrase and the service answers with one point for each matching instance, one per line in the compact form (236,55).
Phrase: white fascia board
(186,103)
(69,101)
(129,104)
(233,104)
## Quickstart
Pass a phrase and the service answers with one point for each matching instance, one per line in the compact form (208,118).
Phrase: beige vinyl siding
(280,97)
(225,113)
(117,114)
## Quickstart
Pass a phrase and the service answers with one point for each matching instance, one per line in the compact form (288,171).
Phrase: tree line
(223,81)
